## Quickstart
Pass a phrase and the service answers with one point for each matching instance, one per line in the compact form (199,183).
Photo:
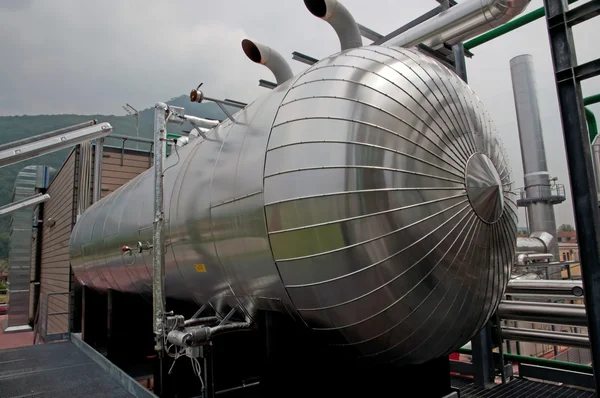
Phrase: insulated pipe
(459,23)
(528,258)
(562,314)
(537,242)
(268,57)
(338,16)
(545,287)
(533,153)
(508,27)
(546,337)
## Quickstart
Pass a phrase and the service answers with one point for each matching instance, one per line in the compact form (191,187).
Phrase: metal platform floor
(55,370)
(520,388)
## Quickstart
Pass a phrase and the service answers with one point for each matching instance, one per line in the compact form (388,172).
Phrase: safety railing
(541,193)
(545,315)
(46,299)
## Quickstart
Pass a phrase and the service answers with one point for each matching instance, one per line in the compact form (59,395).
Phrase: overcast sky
(73,56)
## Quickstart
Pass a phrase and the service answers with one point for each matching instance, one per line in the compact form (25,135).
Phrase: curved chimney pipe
(268,57)
(338,16)
(459,23)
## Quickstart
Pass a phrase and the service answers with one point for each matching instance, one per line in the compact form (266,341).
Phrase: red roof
(567,234)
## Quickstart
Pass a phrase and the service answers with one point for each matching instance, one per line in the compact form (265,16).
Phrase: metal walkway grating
(520,388)
(52,371)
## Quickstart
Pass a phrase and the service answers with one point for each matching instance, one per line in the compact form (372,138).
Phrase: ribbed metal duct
(380,214)
(459,23)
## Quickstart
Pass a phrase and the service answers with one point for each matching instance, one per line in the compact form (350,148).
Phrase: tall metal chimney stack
(538,195)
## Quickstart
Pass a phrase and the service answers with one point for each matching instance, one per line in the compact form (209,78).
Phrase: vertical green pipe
(507,27)
(592,125)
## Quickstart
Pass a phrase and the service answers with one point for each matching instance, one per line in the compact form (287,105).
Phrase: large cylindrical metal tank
(368,197)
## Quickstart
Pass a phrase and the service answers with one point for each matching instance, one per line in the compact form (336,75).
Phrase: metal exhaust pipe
(459,23)
(338,16)
(268,57)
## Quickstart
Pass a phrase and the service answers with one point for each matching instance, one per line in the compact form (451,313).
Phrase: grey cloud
(12,5)
(71,56)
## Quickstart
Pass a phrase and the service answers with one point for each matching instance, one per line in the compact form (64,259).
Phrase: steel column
(98,155)
(158,238)
(581,173)
(483,361)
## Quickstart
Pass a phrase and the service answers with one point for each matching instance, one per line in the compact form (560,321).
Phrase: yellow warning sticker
(200,267)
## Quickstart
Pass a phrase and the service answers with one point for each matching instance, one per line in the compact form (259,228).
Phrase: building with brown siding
(51,267)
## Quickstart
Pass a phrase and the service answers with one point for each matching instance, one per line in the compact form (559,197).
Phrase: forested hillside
(18,127)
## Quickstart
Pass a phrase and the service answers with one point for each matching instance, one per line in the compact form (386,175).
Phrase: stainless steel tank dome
(368,197)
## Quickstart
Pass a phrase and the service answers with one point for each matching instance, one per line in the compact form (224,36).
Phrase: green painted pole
(592,125)
(591,100)
(507,27)
(551,363)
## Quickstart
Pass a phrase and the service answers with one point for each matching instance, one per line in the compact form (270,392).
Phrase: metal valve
(143,246)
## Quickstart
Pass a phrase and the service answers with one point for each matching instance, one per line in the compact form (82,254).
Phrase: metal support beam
(483,360)
(460,66)
(583,13)
(581,172)
(368,33)
(38,145)
(98,155)
(267,84)
(305,59)
(557,375)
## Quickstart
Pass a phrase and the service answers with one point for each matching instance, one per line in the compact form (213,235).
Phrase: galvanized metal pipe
(545,287)
(533,154)
(19,204)
(38,145)
(158,239)
(98,154)
(340,19)
(546,337)
(459,23)
(561,314)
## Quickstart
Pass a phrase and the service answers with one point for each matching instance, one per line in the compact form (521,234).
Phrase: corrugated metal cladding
(60,214)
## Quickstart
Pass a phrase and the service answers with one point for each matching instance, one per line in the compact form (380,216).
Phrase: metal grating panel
(520,388)
(54,370)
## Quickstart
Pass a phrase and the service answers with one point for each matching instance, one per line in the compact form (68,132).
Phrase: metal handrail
(542,192)
(60,335)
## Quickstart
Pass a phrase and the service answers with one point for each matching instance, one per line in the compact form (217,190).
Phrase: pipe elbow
(338,16)
(498,12)
(268,57)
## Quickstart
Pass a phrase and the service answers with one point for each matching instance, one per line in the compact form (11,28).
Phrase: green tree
(566,228)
